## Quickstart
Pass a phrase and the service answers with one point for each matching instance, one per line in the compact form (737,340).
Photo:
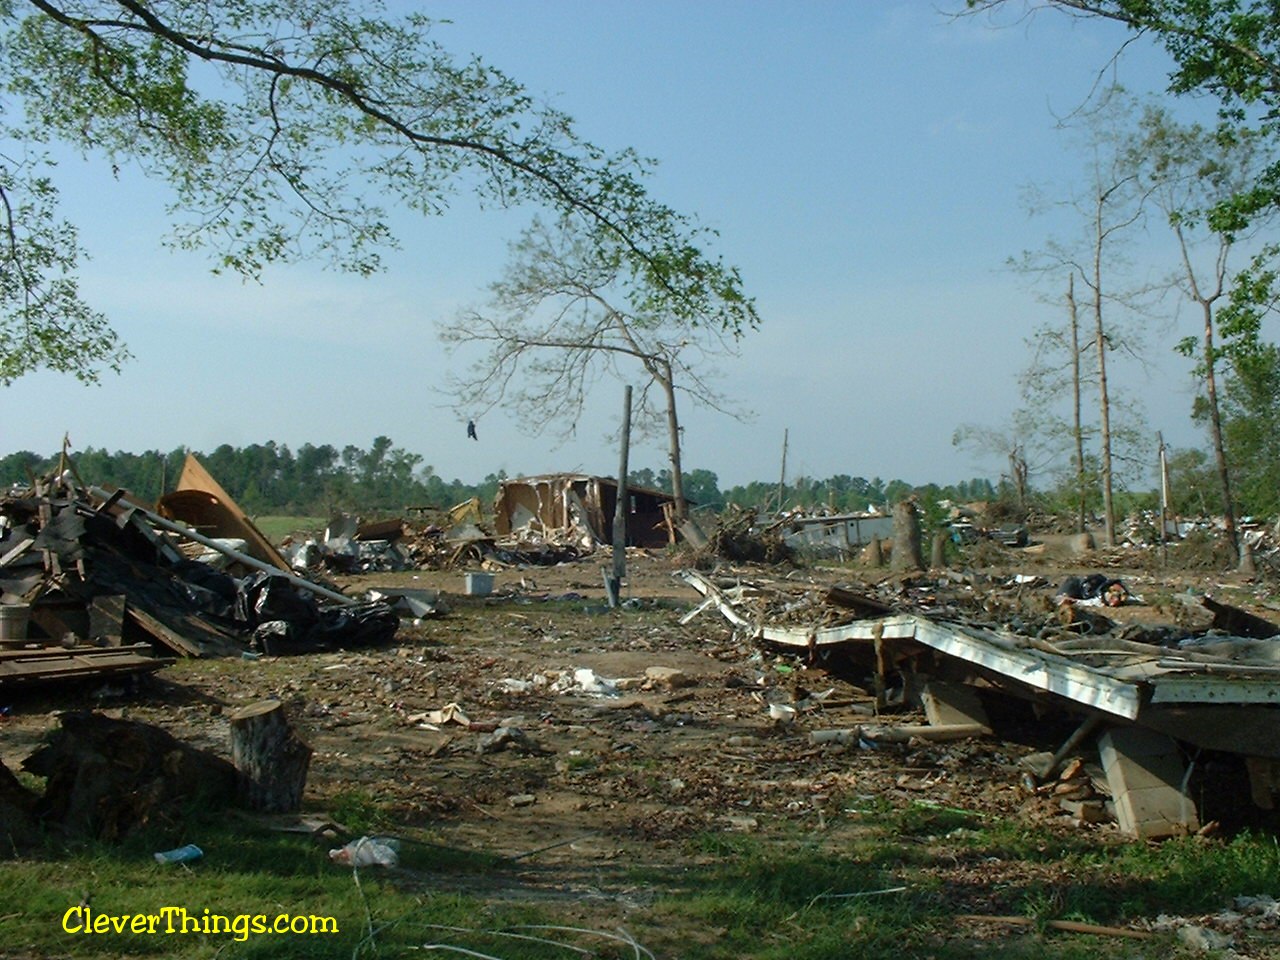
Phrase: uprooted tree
(282,127)
(569,310)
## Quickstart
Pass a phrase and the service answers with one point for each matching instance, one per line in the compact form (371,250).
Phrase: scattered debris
(180,855)
(368,852)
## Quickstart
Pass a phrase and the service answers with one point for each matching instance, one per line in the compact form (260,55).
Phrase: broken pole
(1164,499)
(613,584)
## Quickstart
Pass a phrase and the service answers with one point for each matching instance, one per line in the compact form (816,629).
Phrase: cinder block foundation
(952,703)
(1144,773)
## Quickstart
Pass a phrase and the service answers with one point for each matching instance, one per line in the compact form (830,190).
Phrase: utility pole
(782,479)
(1166,496)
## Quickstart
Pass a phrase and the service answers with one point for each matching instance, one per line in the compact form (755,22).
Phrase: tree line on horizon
(321,479)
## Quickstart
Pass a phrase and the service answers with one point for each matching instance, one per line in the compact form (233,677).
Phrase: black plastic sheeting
(284,619)
(103,554)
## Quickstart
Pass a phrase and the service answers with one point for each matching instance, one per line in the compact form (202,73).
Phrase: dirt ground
(593,783)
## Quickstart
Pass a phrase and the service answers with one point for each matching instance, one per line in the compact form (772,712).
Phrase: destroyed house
(579,506)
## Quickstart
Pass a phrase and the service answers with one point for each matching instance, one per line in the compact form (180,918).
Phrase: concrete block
(1086,811)
(1144,773)
(1156,812)
(668,677)
(946,704)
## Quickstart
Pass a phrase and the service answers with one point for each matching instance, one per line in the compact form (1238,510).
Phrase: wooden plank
(109,662)
(16,552)
(106,618)
(162,633)
(216,512)
(36,653)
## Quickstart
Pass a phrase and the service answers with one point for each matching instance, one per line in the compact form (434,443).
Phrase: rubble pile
(350,547)
(96,572)
(738,538)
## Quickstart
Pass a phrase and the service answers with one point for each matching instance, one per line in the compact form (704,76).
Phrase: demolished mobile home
(1141,693)
(91,581)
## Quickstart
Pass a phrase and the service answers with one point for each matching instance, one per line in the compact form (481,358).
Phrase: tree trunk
(270,757)
(938,561)
(1104,400)
(873,554)
(1018,474)
(673,443)
(782,475)
(906,554)
(1077,430)
(1215,427)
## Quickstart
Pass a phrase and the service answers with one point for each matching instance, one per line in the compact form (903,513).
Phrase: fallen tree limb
(1069,926)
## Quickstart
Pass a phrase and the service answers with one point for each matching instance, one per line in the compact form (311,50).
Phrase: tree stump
(107,777)
(906,555)
(938,561)
(872,555)
(270,758)
(1080,543)
(18,830)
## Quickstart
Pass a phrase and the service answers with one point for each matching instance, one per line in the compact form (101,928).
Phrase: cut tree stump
(270,757)
(906,556)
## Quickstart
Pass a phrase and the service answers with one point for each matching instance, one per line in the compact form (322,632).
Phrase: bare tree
(1109,203)
(1192,171)
(568,311)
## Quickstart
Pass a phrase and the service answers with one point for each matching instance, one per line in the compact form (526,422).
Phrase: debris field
(520,714)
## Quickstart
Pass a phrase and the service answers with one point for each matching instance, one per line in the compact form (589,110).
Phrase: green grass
(276,529)
(886,882)
(248,870)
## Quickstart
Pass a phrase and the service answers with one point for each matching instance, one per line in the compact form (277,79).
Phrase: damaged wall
(579,504)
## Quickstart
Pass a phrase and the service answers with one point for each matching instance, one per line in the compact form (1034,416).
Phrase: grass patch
(745,897)
(359,811)
(893,887)
(248,872)
(276,528)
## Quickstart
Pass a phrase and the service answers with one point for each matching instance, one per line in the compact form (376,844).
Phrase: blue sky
(863,161)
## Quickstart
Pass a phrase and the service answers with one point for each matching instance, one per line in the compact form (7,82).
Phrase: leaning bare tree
(568,311)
